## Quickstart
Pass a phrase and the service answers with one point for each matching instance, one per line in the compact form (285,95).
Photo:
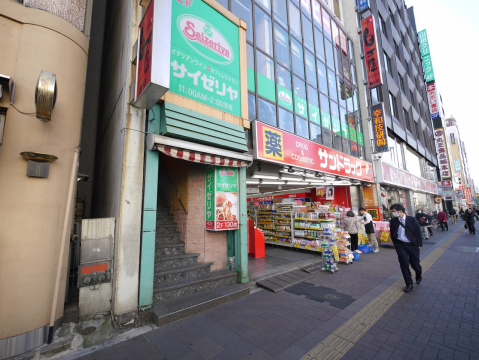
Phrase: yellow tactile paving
(336,345)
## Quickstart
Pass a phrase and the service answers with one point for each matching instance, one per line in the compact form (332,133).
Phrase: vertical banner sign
(363,5)
(145,50)
(370,52)
(380,128)
(221,208)
(205,61)
(457,164)
(426,55)
(442,154)
(432,99)
(423,43)
(428,69)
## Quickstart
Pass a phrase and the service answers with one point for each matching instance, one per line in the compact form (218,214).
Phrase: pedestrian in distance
(461,213)
(369,227)
(407,239)
(352,226)
(469,219)
(423,222)
(453,215)
(429,227)
(442,218)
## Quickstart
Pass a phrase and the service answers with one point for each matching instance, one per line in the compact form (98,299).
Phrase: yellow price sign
(335,252)
(308,247)
(296,245)
(384,236)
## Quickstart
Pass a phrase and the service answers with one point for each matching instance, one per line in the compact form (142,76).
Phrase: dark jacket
(413,231)
(422,216)
(469,218)
(452,211)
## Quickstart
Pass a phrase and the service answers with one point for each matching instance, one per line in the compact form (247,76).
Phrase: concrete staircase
(183,286)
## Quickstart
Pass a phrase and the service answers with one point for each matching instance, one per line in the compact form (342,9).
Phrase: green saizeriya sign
(205,61)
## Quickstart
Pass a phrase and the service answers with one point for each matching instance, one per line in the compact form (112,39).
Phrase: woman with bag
(351,225)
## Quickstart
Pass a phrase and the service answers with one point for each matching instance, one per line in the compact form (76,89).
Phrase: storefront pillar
(150,196)
(241,235)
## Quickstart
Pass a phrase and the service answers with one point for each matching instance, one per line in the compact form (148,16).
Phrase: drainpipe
(66,222)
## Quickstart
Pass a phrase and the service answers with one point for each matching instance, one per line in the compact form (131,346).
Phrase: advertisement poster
(432,100)
(380,132)
(370,52)
(205,61)
(330,193)
(275,145)
(442,154)
(370,196)
(321,192)
(221,208)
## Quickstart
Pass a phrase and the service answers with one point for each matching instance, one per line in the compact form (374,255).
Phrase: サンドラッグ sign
(221,205)
(281,147)
(205,61)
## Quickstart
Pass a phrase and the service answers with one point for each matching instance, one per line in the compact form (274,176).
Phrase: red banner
(274,145)
(403,178)
(145,51)
(371,52)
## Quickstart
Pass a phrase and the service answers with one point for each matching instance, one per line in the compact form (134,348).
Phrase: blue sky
(453,32)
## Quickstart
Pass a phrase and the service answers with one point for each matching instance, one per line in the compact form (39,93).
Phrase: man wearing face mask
(407,239)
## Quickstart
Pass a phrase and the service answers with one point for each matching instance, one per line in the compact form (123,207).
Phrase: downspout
(66,223)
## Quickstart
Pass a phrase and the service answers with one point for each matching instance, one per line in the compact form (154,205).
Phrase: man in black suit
(407,239)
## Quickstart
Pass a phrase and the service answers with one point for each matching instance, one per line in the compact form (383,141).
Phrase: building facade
(408,171)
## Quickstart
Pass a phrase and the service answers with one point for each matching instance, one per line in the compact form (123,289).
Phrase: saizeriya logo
(227,173)
(201,35)
(284,96)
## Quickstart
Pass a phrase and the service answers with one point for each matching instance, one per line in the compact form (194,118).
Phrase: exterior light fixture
(290,169)
(261,176)
(38,164)
(318,175)
(45,95)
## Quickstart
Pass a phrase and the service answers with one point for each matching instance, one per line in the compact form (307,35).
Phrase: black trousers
(354,241)
(408,254)
(471,227)
(444,224)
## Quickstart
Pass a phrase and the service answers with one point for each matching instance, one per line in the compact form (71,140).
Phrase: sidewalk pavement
(436,320)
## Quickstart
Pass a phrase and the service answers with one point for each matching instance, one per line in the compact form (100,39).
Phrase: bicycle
(435,224)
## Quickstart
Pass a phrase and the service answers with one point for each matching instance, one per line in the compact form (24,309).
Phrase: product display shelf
(309,229)
(282,224)
(265,222)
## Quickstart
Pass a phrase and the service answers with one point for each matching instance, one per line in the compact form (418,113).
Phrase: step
(166,229)
(182,272)
(162,204)
(163,262)
(173,237)
(165,220)
(175,289)
(166,312)
(170,248)
(163,212)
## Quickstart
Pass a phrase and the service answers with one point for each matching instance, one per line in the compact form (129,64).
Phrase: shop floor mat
(322,294)
(288,254)
(313,268)
(283,281)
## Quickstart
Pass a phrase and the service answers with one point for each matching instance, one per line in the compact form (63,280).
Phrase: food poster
(221,198)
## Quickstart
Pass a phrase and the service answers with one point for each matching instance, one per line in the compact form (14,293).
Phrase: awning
(199,153)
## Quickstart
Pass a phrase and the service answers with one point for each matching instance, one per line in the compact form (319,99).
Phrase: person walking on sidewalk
(351,225)
(442,218)
(369,227)
(469,218)
(429,227)
(461,213)
(423,222)
(453,215)
(407,240)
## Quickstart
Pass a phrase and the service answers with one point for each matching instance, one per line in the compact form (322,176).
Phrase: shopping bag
(465,226)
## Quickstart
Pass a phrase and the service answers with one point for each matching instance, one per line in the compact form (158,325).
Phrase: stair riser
(163,212)
(164,220)
(170,250)
(167,239)
(165,229)
(162,278)
(163,264)
(212,284)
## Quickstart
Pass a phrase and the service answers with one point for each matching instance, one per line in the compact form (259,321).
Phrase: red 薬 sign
(275,145)
(145,51)
(446,183)
(371,57)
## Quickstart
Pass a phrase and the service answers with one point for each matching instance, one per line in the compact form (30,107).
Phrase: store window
(263,31)
(311,68)
(251,107)
(333,89)
(325,114)
(344,123)
(302,127)
(308,33)
(286,120)
(315,131)
(316,13)
(322,77)
(266,87)
(393,105)
(250,67)
(391,155)
(326,24)
(387,64)
(295,21)
(401,83)
(265,4)
(313,105)
(318,38)
(298,59)
(306,6)
(413,163)
(267,112)
(329,54)
(406,120)
(282,45)
(243,10)
(279,9)
(300,104)
(285,94)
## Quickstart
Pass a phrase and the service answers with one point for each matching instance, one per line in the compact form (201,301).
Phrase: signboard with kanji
(428,70)
(275,145)
(442,154)
(446,183)
(371,56)
(205,59)
(423,43)
(380,132)
(221,200)
(432,99)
